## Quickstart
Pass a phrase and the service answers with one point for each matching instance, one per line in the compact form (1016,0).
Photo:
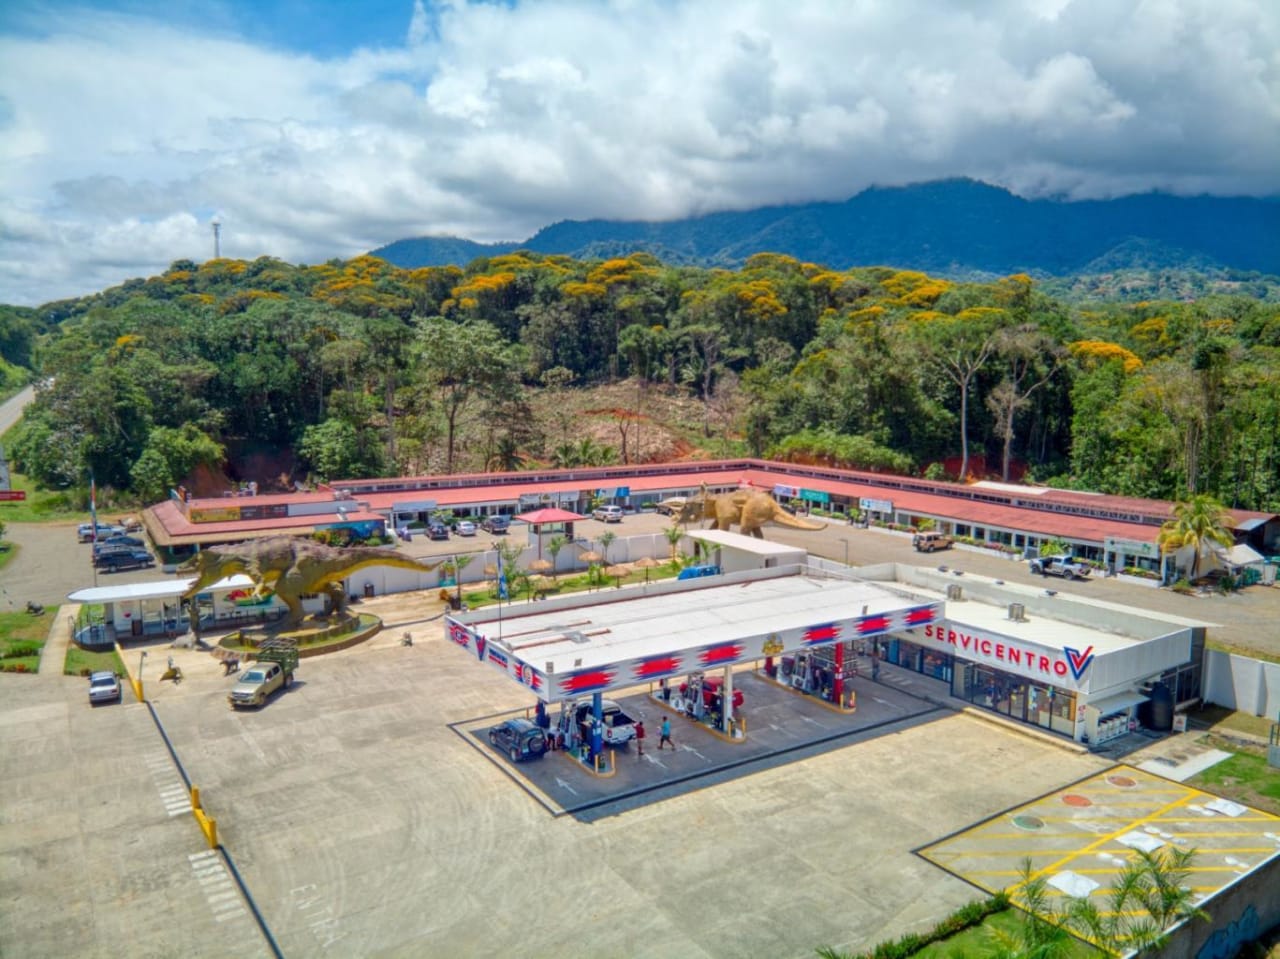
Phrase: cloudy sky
(322,128)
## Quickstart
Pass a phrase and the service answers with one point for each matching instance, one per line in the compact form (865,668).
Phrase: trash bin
(368,590)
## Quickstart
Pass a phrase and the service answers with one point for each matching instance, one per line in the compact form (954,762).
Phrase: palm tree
(673,533)
(554,545)
(1199,523)
(1042,934)
(606,540)
(1150,896)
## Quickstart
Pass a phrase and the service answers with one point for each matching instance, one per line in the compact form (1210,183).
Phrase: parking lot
(365,819)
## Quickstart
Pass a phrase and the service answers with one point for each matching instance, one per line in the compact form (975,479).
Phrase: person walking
(639,738)
(666,735)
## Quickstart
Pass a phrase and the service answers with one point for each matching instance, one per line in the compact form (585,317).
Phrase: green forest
(359,368)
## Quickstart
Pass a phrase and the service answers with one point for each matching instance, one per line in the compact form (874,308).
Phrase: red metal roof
(168,525)
(982,505)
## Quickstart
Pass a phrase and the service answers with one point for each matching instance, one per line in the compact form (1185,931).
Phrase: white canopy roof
(155,590)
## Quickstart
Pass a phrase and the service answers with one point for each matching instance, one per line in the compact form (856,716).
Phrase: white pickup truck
(619,728)
(1063,566)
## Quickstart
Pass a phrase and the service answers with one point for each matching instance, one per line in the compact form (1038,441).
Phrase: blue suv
(519,739)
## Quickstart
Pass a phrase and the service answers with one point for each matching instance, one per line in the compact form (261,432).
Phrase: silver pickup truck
(257,683)
(1063,566)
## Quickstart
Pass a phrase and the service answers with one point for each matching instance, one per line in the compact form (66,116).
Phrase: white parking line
(220,892)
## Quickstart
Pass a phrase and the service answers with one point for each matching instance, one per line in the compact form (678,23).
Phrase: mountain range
(958,228)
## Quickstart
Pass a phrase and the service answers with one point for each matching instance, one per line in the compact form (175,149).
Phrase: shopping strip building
(1115,532)
(1068,664)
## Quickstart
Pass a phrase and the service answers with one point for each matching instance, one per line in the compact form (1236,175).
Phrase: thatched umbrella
(646,564)
(590,556)
(490,571)
(618,570)
(541,565)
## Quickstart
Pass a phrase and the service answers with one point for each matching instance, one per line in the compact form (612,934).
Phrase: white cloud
(120,136)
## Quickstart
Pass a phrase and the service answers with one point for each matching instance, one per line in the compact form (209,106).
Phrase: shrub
(1183,586)
(19,650)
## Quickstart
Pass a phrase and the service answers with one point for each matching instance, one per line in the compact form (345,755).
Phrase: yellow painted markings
(1085,839)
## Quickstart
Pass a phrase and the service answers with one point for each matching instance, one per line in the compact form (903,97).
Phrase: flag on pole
(502,579)
(93,506)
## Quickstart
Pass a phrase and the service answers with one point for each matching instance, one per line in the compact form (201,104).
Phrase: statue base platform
(314,636)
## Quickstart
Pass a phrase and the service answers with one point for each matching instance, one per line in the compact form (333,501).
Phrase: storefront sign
(1066,666)
(815,496)
(215,514)
(785,492)
(876,505)
(1129,547)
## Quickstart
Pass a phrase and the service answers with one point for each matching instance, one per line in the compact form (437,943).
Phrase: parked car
(121,540)
(1063,566)
(607,514)
(104,687)
(84,532)
(116,560)
(671,506)
(465,528)
(495,524)
(619,728)
(519,739)
(437,531)
(929,541)
(257,683)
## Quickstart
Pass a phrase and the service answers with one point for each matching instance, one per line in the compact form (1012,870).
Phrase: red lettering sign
(12,495)
(994,649)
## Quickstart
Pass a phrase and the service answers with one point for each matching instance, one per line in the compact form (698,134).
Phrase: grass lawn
(41,506)
(22,637)
(977,941)
(1245,777)
(82,662)
(564,584)
(1219,720)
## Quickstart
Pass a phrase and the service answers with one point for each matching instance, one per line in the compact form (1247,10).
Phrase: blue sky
(324,129)
(322,28)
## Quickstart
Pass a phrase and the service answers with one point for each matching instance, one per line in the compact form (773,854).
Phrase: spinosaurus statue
(291,566)
(748,509)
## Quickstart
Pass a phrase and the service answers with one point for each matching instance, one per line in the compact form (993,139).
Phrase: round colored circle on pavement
(1030,823)
(1075,799)
(1123,782)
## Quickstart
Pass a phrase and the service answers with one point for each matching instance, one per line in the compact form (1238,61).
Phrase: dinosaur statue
(291,566)
(749,509)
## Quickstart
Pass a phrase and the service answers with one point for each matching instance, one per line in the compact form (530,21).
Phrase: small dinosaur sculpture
(748,509)
(291,566)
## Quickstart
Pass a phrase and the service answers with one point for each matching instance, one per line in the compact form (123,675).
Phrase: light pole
(846,550)
(137,686)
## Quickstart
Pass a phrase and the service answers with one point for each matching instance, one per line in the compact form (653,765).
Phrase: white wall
(1241,683)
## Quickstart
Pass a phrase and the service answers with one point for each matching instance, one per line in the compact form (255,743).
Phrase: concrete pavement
(364,825)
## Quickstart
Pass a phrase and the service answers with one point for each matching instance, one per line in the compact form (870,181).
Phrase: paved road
(50,563)
(11,409)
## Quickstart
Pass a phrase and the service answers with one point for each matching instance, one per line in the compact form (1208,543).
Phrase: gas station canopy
(609,642)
